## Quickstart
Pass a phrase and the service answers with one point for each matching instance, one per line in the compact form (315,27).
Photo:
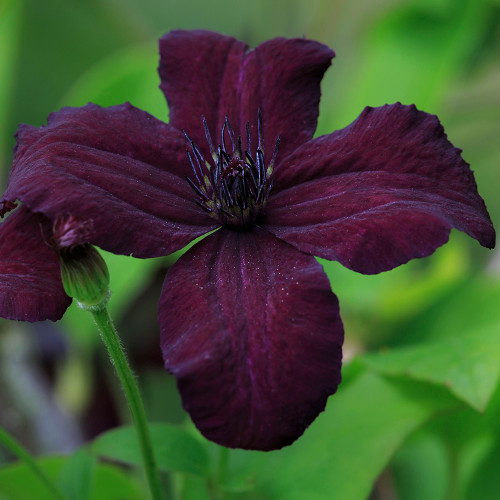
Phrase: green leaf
(77,475)
(17,482)
(468,366)
(111,483)
(127,75)
(59,40)
(469,437)
(400,61)
(471,306)
(486,481)
(373,306)
(420,469)
(10,17)
(194,488)
(175,449)
(348,446)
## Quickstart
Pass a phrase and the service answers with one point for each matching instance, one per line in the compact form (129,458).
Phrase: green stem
(452,492)
(222,465)
(215,483)
(10,443)
(119,360)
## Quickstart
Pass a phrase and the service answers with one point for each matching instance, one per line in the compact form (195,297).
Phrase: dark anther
(209,137)
(235,184)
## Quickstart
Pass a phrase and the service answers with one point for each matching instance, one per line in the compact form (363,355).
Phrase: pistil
(234,187)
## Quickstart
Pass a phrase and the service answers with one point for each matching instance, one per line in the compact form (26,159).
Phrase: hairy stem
(119,360)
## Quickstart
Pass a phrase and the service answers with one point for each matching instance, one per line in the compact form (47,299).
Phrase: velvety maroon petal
(204,73)
(199,73)
(384,190)
(282,77)
(252,332)
(119,167)
(30,278)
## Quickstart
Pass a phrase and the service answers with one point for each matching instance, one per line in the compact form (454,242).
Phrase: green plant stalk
(453,479)
(11,444)
(119,360)
(222,465)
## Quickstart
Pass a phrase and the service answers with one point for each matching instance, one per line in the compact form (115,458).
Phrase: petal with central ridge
(252,332)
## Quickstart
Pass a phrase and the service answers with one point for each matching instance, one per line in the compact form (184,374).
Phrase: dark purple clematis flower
(249,325)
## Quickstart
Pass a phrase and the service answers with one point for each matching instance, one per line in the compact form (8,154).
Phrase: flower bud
(85,276)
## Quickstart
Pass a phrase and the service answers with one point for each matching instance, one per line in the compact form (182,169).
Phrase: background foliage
(418,412)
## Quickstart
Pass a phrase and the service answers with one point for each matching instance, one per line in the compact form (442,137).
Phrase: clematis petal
(120,168)
(251,329)
(384,190)
(282,77)
(204,73)
(30,277)
(199,72)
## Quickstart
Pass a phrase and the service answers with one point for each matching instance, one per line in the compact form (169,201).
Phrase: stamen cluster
(233,190)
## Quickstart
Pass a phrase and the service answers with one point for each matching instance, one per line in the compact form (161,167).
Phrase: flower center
(234,187)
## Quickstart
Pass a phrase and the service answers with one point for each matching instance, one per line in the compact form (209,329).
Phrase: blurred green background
(418,412)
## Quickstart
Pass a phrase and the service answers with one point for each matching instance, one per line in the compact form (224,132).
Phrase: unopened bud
(85,276)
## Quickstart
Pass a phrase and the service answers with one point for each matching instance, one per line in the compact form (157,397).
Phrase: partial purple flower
(30,277)
(249,325)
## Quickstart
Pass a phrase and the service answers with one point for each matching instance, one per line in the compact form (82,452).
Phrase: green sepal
(85,276)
